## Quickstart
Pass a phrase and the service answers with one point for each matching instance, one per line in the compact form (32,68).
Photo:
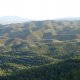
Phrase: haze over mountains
(12,19)
(15,19)
(69,18)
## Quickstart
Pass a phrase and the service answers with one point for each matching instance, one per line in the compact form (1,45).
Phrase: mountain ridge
(68,18)
(4,20)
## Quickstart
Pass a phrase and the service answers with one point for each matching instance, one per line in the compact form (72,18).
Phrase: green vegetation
(40,50)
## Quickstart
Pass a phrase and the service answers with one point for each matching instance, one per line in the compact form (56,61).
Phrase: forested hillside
(40,50)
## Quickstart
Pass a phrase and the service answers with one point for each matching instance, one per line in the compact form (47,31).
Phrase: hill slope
(40,50)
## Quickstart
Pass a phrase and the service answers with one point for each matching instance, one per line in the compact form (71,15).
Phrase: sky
(40,9)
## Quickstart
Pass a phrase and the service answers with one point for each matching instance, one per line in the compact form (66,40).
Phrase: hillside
(41,31)
(40,50)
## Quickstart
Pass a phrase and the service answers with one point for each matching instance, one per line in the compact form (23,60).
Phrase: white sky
(40,9)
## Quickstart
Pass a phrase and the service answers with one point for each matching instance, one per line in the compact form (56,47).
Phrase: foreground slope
(66,70)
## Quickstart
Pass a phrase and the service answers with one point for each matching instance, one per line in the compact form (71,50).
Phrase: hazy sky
(40,9)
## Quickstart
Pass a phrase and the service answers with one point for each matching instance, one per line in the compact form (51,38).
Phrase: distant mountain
(12,19)
(69,18)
